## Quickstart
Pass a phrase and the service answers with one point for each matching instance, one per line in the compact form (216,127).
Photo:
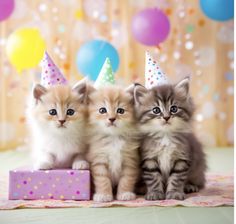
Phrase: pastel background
(196,45)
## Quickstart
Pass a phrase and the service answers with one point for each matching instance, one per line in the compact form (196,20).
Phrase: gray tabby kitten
(173,161)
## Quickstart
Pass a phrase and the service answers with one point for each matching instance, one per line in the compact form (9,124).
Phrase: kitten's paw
(126,196)
(102,197)
(190,188)
(155,195)
(80,165)
(175,195)
(43,166)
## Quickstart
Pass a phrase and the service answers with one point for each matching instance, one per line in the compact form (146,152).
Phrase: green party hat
(106,75)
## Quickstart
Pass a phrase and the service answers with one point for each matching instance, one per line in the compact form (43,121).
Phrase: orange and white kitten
(57,118)
(113,151)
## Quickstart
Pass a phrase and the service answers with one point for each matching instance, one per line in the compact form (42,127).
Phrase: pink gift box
(67,184)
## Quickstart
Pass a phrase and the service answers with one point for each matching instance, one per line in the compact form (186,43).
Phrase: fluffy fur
(173,161)
(58,140)
(113,151)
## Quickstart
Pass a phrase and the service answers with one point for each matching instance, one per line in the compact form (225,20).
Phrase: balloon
(150,27)
(219,10)
(25,48)
(92,55)
(6,8)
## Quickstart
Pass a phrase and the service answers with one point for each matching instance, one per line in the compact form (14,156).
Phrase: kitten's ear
(182,87)
(130,89)
(38,91)
(83,88)
(139,92)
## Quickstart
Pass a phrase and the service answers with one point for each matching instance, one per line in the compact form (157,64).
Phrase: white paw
(80,165)
(43,166)
(102,197)
(126,196)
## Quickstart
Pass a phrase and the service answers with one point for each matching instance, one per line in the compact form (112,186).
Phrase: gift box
(63,184)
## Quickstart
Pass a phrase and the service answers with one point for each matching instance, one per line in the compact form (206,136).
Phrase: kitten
(57,119)
(113,151)
(173,161)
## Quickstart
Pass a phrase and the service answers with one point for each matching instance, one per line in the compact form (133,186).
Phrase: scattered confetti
(189,45)
(43,7)
(229,76)
(190,28)
(79,14)
(201,22)
(176,55)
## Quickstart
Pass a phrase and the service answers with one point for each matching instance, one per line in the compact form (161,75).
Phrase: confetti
(189,45)
(190,28)
(79,14)
(201,22)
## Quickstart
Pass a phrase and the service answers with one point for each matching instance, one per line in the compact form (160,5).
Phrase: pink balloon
(6,8)
(150,27)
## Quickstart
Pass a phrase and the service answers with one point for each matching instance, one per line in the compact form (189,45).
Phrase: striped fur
(173,161)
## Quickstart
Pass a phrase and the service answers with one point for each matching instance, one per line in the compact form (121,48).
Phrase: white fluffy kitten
(57,119)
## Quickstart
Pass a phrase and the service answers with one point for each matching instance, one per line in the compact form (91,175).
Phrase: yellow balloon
(25,48)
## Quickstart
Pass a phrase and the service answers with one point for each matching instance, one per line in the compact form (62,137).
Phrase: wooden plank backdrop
(196,45)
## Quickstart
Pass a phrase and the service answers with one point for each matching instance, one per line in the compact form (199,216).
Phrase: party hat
(106,75)
(154,76)
(51,74)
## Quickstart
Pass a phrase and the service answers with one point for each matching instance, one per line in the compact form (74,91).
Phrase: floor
(219,160)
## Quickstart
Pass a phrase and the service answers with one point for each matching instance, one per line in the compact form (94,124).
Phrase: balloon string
(158,47)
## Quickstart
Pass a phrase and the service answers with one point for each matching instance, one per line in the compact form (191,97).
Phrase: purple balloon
(6,8)
(150,27)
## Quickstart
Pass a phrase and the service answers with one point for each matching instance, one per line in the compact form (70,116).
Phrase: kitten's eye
(102,110)
(70,112)
(156,110)
(120,111)
(173,109)
(53,112)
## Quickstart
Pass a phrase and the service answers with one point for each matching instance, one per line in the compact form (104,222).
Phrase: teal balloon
(92,55)
(218,10)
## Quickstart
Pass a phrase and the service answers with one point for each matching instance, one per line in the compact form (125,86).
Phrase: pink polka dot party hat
(51,75)
(154,76)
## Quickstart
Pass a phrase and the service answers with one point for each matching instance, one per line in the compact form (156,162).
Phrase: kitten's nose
(112,119)
(167,118)
(62,121)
